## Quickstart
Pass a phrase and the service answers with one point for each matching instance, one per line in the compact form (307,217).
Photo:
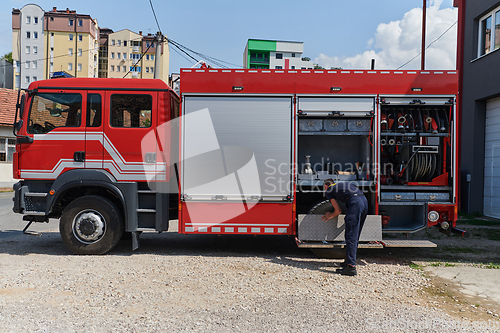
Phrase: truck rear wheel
(91,225)
(320,209)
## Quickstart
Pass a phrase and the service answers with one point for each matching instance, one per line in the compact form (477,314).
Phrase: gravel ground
(210,283)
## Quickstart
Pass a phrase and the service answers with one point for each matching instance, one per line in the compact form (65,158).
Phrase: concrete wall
(6,74)
(481,83)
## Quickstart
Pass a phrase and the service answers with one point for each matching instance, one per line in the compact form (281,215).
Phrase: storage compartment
(397,196)
(433,197)
(335,125)
(404,217)
(341,151)
(359,125)
(310,125)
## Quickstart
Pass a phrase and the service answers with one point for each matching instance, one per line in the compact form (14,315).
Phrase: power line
(435,40)
(151,3)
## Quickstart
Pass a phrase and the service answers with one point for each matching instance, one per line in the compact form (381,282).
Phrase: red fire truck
(240,152)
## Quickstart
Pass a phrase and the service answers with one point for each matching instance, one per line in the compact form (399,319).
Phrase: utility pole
(158,42)
(424,16)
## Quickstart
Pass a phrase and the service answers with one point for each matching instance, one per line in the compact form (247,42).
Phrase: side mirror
(18,125)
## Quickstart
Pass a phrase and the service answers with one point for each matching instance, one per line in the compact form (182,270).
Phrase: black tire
(91,225)
(326,206)
(322,208)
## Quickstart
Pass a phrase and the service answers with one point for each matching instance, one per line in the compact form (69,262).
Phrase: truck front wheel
(91,225)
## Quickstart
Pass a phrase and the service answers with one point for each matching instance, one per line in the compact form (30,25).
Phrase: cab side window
(94,110)
(131,111)
(52,110)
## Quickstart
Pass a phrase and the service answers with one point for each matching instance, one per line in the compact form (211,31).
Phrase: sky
(336,33)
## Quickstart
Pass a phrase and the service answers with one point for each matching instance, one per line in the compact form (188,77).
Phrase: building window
(27,79)
(152,57)
(278,67)
(28,34)
(35,65)
(124,43)
(118,55)
(80,38)
(79,68)
(28,50)
(147,69)
(80,22)
(152,69)
(489,32)
(35,35)
(70,36)
(119,42)
(35,78)
(112,55)
(112,68)
(71,22)
(27,65)
(70,51)
(112,42)
(80,52)
(117,68)
(35,49)
(293,67)
(28,19)
(124,56)
(279,55)
(147,56)
(124,68)
(7,148)
(293,55)
(35,20)
(70,66)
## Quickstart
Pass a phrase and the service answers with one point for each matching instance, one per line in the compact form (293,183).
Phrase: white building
(269,54)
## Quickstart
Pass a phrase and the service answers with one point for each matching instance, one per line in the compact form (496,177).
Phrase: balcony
(136,49)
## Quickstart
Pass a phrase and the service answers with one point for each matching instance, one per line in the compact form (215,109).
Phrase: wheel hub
(89,226)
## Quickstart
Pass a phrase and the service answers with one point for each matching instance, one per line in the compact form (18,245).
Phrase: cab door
(58,136)
(94,143)
(129,118)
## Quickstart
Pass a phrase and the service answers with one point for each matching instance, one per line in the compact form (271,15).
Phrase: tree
(8,57)
(317,66)
(306,59)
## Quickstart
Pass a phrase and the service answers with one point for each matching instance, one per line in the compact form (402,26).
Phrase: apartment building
(52,41)
(125,49)
(271,54)
(103,52)
(27,45)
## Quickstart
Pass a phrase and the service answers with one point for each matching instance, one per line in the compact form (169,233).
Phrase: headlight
(433,216)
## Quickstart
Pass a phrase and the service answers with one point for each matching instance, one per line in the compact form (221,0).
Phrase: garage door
(492,159)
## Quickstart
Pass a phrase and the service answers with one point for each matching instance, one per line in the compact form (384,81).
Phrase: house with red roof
(8,100)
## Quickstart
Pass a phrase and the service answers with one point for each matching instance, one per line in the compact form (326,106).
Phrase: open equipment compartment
(416,160)
(335,136)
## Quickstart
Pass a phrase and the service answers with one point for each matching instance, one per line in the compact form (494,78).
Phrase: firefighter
(357,209)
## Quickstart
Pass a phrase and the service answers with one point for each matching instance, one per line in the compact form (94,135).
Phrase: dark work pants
(357,209)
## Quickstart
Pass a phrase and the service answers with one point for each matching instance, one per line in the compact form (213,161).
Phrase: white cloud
(397,42)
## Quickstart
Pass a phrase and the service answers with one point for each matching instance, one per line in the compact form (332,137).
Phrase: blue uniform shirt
(342,191)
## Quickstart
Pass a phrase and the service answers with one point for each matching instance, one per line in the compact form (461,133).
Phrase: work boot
(342,264)
(347,270)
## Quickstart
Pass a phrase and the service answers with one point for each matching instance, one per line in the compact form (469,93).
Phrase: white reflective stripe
(243,224)
(118,166)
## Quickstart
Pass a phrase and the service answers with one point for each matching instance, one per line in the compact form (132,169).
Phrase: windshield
(52,110)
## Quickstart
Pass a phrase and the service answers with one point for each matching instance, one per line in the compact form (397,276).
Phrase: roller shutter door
(492,159)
